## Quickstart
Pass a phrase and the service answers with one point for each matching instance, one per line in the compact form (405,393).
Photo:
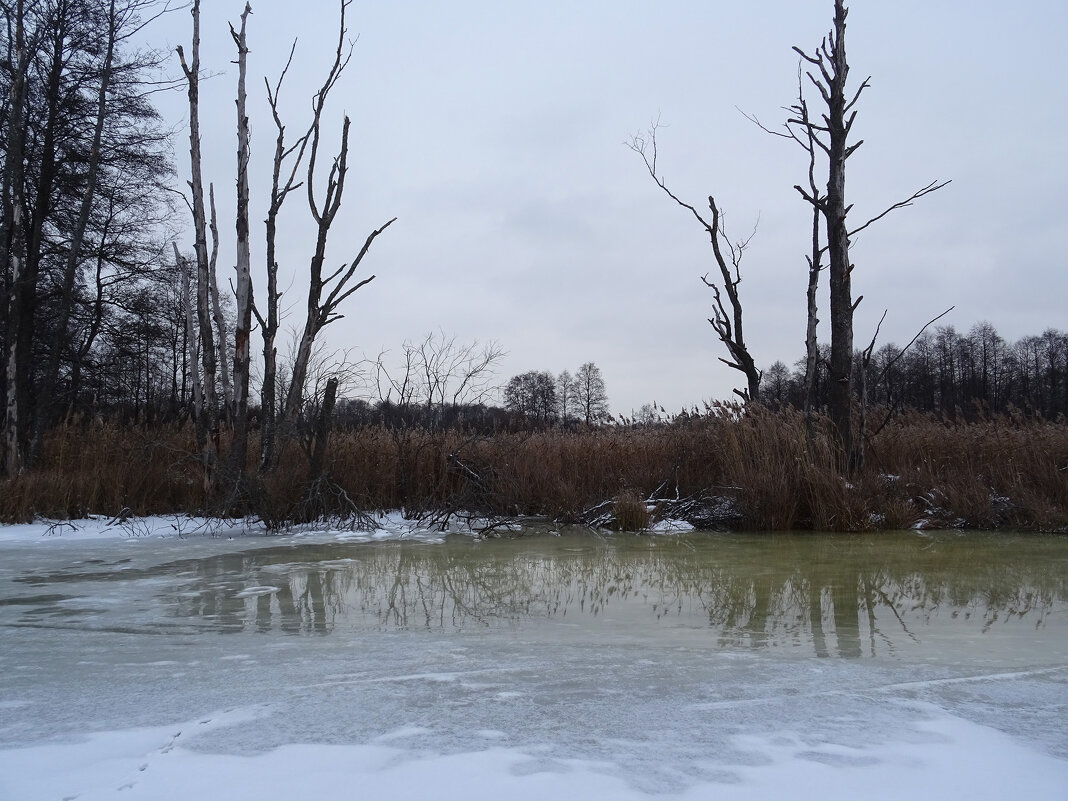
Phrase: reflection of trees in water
(839,596)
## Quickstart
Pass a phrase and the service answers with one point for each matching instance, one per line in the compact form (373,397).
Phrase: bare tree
(294,155)
(533,395)
(217,313)
(436,373)
(339,284)
(78,133)
(70,269)
(243,287)
(566,396)
(831,135)
(727,324)
(206,419)
(590,394)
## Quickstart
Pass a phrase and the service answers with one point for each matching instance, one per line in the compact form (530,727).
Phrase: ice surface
(945,758)
(570,667)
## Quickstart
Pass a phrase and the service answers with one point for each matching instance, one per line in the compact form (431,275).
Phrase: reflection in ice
(667,662)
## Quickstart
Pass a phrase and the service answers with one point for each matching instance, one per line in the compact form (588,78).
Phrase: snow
(390,526)
(946,758)
(159,665)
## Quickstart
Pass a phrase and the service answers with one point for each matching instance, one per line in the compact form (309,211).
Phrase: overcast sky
(495,132)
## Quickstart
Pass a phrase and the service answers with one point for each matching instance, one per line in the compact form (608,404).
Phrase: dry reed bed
(1002,472)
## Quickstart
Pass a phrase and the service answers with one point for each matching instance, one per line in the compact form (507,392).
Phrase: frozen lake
(577,666)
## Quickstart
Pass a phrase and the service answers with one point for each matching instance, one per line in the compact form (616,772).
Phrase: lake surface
(672,662)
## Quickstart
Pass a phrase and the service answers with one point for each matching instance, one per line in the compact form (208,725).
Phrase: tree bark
(226,412)
(208,427)
(239,449)
(190,343)
(14,240)
(830,61)
(840,396)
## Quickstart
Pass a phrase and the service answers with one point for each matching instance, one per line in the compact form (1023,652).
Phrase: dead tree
(339,284)
(206,417)
(828,73)
(243,284)
(217,313)
(830,61)
(727,324)
(799,128)
(269,322)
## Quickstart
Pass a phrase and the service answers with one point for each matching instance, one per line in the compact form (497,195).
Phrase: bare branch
(934,186)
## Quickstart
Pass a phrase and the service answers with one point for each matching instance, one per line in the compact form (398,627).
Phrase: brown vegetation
(1008,471)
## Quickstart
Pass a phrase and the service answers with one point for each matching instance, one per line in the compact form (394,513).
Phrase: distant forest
(947,372)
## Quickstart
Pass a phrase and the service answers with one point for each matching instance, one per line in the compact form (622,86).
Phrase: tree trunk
(14,240)
(317,461)
(239,449)
(26,325)
(217,315)
(840,395)
(207,344)
(191,356)
(811,345)
(269,325)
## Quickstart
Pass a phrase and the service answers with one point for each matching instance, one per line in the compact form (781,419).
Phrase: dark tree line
(946,372)
(84,177)
(100,312)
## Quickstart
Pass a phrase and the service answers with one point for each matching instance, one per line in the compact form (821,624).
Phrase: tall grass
(998,472)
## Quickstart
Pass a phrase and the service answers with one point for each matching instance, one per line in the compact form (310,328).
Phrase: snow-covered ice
(402,664)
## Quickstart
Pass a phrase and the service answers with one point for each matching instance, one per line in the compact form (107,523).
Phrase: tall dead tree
(339,284)
(828,73)
(268,322)
(799,128)
(830,61)
(243,285)
(726,323)
(206,417)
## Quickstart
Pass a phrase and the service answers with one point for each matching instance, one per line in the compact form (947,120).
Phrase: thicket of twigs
(743,469)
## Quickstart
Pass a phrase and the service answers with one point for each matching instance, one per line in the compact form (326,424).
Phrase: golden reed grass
(1006,471)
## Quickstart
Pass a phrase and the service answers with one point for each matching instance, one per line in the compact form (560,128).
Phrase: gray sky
(495,132)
